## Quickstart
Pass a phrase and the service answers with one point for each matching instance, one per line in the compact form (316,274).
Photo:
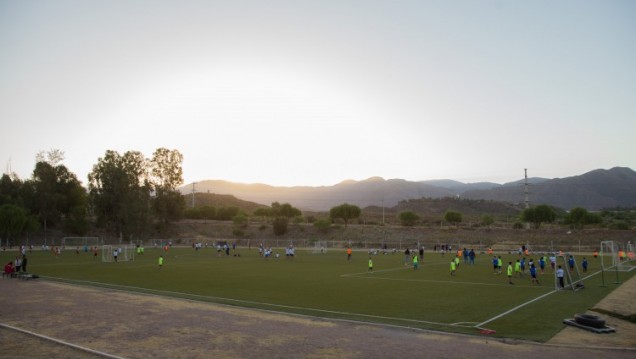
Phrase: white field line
(181,295)
(370,275)
(526,303)
(92,351)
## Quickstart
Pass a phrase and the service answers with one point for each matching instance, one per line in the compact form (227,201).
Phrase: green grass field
(327,285)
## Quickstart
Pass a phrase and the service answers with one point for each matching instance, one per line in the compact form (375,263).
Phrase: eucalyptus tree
(167,176)
(120,190)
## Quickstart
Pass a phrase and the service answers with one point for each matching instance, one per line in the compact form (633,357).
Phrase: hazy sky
(316,92)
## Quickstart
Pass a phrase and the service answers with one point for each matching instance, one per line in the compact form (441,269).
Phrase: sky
(312,93)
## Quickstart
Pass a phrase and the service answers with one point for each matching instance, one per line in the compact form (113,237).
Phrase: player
(533,275)
(584,265)
(518,269)
(495,264)
(370,265)
(509,272)
(160,261)
(559,274)
(415,261)
(542,264)
(453,267)
(349,251)
(499,264)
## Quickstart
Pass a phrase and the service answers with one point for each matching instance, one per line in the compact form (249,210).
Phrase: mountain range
(594,190)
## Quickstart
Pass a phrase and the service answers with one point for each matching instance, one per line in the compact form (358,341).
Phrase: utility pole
(527,201)
(525,190)
(193,183)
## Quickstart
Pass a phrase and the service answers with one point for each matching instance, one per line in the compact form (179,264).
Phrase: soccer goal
(122,253)
(85,243)
(571,275)
(613,256)
(319,247)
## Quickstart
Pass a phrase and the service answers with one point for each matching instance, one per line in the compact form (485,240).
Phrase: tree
(408,218)
(577,216)
(322,225)
(59,197)
(120,192)
(13,220)
(346,212)
(240,220)
(487,220)
(167,175)
(282,213)
(226,213)
(284,210)
(453,217)
(539,214)
(280,225)
(166,169)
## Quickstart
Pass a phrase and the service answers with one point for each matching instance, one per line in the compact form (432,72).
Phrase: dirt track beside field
(143,326)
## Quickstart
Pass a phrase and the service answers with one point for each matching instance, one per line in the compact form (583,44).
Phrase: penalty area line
(526,303)
(364,275)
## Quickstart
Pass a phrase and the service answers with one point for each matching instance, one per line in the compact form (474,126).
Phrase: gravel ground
(143,326)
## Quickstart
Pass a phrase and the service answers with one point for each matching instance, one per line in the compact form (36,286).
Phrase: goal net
(571,275)
(85,244)
(319,247)
(118,253)
(614,256)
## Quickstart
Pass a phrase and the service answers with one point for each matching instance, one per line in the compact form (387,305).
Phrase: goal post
(85,243)
(319,247)
(609,255)
(571,275)
(121,253)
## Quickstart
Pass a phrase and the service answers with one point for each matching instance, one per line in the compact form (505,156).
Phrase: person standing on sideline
(349,251)
(160,261)
(370,264)
(559,274)
(509,272)
(24,262)
(415,261)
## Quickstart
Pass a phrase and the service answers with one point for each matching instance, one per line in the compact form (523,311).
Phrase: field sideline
(329,286)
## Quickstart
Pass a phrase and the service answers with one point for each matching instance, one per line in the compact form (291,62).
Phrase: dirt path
(143,326)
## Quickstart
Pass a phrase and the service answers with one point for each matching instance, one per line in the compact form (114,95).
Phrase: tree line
(127,195)
(131,197)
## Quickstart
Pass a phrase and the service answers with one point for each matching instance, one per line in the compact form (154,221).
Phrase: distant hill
(594,190)
(221,201)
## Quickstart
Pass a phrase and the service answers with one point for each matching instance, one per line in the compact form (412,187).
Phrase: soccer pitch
(329,286)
